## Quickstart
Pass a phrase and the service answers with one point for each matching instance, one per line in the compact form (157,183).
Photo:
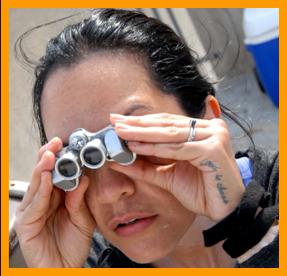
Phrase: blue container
(262,41)
(267,65)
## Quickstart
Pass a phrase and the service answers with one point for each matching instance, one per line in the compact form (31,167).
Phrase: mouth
(131,224)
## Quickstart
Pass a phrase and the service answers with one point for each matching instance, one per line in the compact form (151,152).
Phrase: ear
(212,108)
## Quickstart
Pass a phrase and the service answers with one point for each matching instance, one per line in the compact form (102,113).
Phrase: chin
(146,254)
(144,258)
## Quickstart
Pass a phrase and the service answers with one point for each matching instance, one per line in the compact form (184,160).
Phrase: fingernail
(54,144)
(121,126)
(46,155)
(53,141)
(117,117)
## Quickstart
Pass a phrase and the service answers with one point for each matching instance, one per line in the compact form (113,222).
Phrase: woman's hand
(54,228)
(203,174)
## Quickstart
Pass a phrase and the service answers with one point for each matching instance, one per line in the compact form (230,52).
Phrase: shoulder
(98,247)
(265,173)
(267,254)
(265,169)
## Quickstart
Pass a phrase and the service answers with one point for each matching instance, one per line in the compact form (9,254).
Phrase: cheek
(98,211)
(91,194)
(91,199)
(91,191)
(99,189)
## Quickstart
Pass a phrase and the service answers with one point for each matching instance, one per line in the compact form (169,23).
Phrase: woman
(122,68)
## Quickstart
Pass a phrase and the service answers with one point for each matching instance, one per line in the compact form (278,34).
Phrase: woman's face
(83,96)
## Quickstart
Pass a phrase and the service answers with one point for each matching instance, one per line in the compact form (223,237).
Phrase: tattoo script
(221,188)
(218,178)
(209,164)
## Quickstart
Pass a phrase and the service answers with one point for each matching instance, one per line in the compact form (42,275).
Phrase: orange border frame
(6,4)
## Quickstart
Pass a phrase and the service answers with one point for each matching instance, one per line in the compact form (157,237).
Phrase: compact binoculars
(91,150)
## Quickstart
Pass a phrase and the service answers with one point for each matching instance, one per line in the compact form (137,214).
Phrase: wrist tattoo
(221,188)
(209,164)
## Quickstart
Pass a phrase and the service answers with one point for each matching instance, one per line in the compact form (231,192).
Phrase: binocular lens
(67,168)
(93,156)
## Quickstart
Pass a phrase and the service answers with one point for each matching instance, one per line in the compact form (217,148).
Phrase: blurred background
(223,40)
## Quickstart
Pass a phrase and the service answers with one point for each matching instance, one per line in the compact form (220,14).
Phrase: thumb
(75,199)
(77,207)
(159,175)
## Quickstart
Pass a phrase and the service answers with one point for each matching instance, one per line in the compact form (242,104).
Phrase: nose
(111,186)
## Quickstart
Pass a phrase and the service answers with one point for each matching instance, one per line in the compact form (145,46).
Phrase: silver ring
(192,130)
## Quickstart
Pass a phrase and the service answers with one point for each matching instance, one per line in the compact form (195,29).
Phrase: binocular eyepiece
(91,150)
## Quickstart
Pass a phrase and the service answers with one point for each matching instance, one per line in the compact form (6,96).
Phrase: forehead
(84,94)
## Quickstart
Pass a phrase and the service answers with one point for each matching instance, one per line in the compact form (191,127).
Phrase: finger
(204,154)
(57,198)
(54,146)
(40,204)
(46,164)
(75,199)
(144,171)
(78,209)
(176,151)
(46,161)
(161,134)
(161,119)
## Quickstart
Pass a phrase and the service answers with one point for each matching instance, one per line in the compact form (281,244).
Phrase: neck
(191,252)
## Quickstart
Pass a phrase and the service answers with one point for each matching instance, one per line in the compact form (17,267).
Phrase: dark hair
(172,66)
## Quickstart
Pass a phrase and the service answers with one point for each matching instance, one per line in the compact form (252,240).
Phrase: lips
(131,223)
